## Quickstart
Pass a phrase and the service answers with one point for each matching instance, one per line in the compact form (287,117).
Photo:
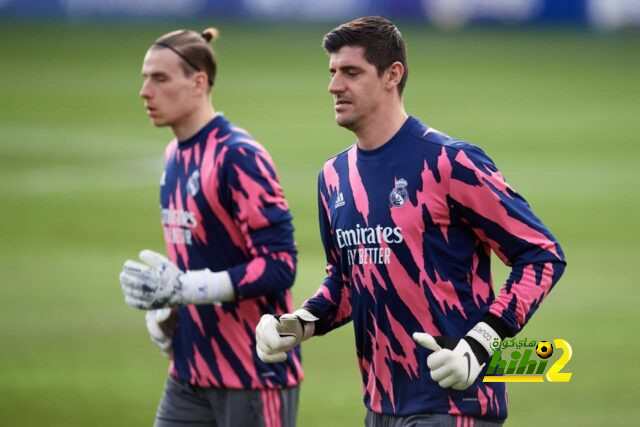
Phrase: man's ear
(201,82)
(394,74)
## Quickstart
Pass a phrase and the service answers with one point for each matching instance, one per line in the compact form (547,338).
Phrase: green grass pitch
(559,112)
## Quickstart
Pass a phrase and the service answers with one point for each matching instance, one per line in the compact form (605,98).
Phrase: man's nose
(145,91)
(335,85)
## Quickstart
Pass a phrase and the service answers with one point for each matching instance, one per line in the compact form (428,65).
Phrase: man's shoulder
(239,141)
(170,149)
(430,136)
(343,153)
(332,160)
(434,138)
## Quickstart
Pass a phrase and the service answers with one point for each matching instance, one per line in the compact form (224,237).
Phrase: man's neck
(381,127)
(192,124)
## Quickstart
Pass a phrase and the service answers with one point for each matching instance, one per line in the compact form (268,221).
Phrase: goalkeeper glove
(275,335)
(161,284)
(456,363)
(160,325)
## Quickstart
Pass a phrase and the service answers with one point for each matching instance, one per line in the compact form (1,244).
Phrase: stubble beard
(349,123)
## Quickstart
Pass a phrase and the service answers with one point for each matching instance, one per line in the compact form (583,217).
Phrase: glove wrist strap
(486,336)
(307,320)
(205,286)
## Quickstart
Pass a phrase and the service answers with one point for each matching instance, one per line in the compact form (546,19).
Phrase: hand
(275,335)
(160,325)
(156,285)
(457,362)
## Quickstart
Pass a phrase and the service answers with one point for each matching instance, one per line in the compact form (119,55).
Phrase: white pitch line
(118,175)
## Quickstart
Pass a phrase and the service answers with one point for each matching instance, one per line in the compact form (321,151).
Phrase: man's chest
(184,207)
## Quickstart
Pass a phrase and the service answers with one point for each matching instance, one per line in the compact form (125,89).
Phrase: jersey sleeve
(332,301)
(261,212)
(501,218)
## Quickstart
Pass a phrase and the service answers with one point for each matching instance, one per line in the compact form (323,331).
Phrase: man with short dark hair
(408,219)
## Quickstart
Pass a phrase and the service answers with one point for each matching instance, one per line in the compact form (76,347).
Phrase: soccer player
(408,219)
(231,252)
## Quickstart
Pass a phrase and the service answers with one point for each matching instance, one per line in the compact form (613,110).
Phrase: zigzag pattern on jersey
(437,277)
(225,184)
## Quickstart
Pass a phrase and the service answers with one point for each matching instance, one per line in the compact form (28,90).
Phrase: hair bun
(210,34)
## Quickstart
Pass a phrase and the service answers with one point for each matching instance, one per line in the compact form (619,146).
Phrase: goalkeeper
(231,252)
(408,219)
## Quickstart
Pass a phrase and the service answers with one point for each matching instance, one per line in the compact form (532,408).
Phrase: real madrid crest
(193,184)
(398,195)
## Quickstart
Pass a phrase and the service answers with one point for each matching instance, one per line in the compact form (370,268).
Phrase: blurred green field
(559,112)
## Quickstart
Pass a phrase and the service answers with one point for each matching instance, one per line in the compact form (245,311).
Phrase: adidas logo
(339,201)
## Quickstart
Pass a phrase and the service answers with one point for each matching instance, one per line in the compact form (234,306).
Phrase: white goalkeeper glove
(160,325)
(275,335)
(159,284)
(457,362)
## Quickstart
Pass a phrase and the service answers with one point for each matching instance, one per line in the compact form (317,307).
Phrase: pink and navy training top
(408,230)
(223,209)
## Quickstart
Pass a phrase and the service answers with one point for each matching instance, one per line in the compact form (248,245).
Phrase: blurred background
(549,89)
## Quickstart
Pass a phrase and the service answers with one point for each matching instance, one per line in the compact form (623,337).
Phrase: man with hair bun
(408,219)
(230,248)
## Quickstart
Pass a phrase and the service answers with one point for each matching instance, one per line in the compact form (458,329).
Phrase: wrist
(484,337)
(497,325)
(307,320)
(205,287)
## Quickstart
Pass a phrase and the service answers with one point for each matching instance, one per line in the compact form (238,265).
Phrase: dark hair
(382,42)
(194,49)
